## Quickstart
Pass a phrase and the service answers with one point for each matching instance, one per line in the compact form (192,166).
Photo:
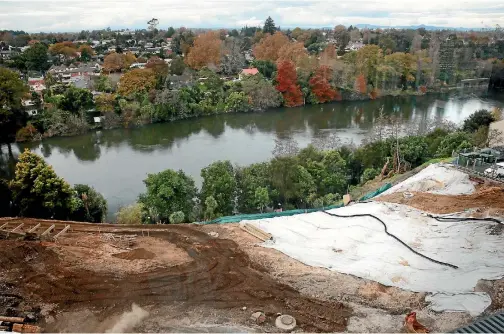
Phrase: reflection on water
(116,161)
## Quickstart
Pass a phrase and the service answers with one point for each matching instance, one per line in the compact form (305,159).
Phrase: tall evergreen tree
(269,26)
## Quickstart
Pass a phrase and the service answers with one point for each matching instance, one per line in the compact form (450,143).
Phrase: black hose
(464,219)
(393,236)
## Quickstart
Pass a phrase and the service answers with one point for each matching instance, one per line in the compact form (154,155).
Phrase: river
(116,161)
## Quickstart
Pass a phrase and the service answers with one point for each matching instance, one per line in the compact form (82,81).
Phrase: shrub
(130,215)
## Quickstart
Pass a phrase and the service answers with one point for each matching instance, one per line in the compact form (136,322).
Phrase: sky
(60,16)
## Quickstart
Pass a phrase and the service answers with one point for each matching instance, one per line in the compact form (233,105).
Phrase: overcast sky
(35,16)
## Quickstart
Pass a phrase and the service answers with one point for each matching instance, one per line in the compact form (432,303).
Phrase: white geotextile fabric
(474,303)
(360,247)
(439,178)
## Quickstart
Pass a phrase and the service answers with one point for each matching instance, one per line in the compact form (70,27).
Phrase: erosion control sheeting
(255,216)
(359,246)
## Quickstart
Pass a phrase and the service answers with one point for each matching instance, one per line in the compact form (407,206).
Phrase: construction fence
(255,216)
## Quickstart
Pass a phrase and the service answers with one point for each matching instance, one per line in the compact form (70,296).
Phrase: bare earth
(179,278)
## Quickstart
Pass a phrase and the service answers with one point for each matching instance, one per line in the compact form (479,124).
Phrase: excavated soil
(219,276)
(136,254)
(490,199)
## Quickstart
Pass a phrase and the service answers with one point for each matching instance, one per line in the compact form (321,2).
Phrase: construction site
(430,244)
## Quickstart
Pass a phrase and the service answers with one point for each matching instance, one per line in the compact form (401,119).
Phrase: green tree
(269,26)
(261,198)
(103,84)
(219,182)
(265,67)
(210,206)
(76,99)
(480,118)
(455,141)
(170,32)
(36,58)
(92,206)
(38,192)
(237,102)
(262,94)
(249,179)
(370,174)
(177,66)
(130,215)
(12,115)
(177,217)
(167,192)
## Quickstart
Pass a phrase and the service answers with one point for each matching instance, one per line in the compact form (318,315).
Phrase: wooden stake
(63,231)
(48,230)
(17,227)
(34,228)
(24,328)
(4,225)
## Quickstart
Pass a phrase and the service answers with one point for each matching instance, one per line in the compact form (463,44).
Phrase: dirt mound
(219,276)
(491,198)
(136,254)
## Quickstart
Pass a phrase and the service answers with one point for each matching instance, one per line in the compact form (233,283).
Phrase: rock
(30,317)
(244,308)
(213,234)
(258,317)
(285,322)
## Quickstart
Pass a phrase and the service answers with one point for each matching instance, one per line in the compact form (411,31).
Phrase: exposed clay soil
(218,277)
(489,199)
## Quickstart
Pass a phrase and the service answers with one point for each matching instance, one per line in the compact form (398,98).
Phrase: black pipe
(393,236)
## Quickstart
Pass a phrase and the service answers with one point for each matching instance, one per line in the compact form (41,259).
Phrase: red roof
(250,71)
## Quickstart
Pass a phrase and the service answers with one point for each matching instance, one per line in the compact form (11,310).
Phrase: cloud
(41,15)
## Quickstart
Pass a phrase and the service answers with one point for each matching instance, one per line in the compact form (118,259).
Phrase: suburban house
(36,84)
(30,107)
(138,65)
(247,71)
(354,46)
(66,73)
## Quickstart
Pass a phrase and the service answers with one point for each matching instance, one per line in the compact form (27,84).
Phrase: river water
(116,161)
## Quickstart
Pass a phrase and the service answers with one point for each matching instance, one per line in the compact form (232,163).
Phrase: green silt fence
(255,216)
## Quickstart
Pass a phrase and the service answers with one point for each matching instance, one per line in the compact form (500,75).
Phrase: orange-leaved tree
(157,65)
(360,84)
(269,46)
(294,52)
(137,81)
(113,62)
(206,51)
(320,87)
(287,84)
(58,48)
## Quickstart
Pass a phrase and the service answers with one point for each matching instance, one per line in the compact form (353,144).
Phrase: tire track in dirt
(220,276)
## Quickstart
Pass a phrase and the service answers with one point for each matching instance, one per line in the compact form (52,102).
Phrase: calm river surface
(116,161)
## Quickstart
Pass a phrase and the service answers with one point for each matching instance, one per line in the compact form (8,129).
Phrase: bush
(28,133)
(177,217)
(370,174)
(455,141)
(130,215)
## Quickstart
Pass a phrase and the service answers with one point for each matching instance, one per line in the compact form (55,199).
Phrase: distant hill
(372,26)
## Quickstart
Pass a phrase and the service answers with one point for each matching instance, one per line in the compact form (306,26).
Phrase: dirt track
(219,275)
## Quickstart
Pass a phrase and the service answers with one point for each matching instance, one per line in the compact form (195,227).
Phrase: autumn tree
(62,48)
(86,52)
(105,102)
(360,84)
(294,52)
(328,56)
(113,62)
(159,67)
(206,51)
(320,87)
(287,84)
(137,81)
(128,59)
(268,48)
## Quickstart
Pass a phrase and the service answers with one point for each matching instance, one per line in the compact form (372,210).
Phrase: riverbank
(74,125)
(116,161)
